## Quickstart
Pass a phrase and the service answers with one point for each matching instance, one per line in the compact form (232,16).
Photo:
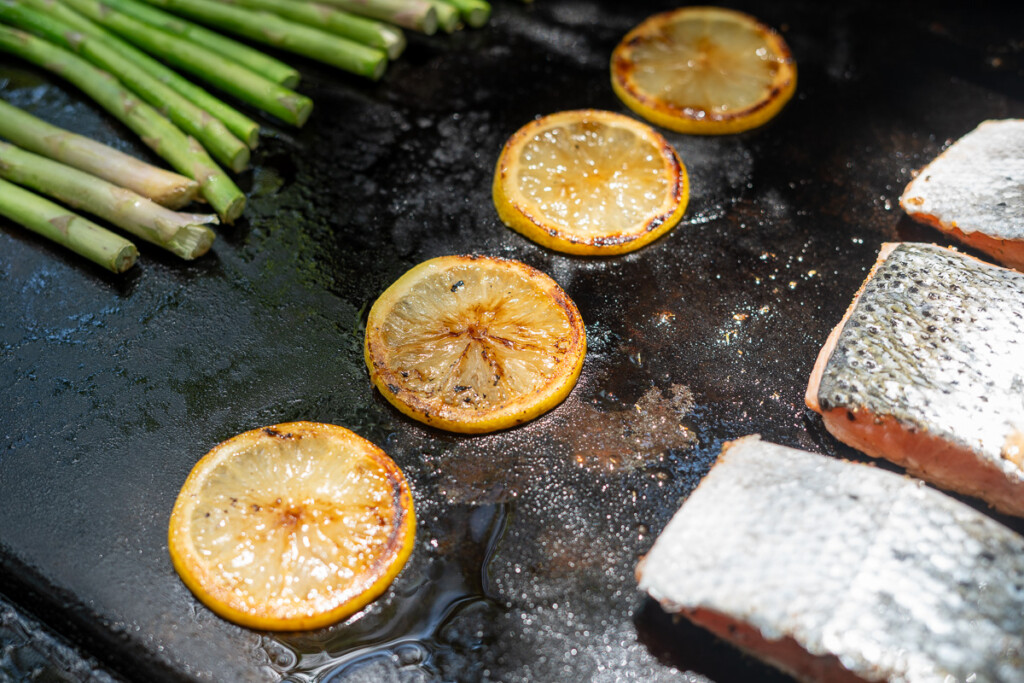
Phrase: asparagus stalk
(447,15)
(163,187)
(217,139)
(288,35)
(183,153)
(250,58)
(417,15)
(345,24)
(78,234)
(241,126)
(248,86)
(473,12)
(184,234)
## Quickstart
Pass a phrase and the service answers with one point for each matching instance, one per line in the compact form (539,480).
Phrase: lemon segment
(590,182)
(290,527)
(704,70)
(474,344)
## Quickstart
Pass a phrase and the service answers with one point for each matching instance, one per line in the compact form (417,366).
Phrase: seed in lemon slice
(590,182)
(704,70)
(474,344)
(290,527)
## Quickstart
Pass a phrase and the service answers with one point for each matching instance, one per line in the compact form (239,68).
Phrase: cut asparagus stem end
(447,16)
(191,241)
(240,161)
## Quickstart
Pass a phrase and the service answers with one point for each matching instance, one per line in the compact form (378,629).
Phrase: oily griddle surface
(113,387)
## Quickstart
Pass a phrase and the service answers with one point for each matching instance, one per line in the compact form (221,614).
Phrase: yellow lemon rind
(224,603)
(668,116)
(514,213)
(518,411)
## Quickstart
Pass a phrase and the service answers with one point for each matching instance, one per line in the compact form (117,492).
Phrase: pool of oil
(527,539)
(424,628)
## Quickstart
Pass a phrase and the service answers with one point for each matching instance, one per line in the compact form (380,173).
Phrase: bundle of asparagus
(109,49)
(55,166)
(184,234)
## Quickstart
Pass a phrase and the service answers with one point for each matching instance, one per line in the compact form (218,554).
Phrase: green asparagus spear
(184,153)
(288,35)
(209,131)
(417,15)
(251,58)
(184,234)
(78,234)
(474,12)
(241,126)
(447,16)
(370,32)
(285,104)
(163,187)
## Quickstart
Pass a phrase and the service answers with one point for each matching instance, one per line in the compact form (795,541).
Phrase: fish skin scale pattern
(936,341)
(897,581)
(977,185)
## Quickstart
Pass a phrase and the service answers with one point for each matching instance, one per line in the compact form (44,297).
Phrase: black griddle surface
(113,387)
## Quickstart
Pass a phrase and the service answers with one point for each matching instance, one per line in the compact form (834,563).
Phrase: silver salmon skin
(838,571)
(974,191)
(926,369)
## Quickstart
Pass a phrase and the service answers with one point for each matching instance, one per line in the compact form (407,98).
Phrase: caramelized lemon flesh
(474,344)
(290,527)
(704,70)
(590,182)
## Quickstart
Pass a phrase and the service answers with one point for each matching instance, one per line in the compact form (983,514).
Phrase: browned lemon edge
(222,602)
(663,114)
(519,410)
(513,213)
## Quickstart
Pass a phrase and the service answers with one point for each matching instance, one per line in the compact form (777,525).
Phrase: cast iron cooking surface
(113,387)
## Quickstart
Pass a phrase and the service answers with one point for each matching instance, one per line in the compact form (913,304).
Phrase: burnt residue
(114,388)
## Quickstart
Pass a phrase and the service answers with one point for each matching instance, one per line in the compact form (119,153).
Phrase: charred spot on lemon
(292,527)
(590,182)
(474,344)
(704,70)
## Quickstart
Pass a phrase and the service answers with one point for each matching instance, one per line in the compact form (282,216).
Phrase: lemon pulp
(704,70)
(590,182)
(293,526)
(474,344)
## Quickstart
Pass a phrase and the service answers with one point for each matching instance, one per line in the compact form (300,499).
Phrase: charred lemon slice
(704,70)
(590,182)
(294,526)
(474,344)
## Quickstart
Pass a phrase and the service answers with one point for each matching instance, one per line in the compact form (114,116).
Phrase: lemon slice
(294,526)
(704,70)
(590,182)
(474,344)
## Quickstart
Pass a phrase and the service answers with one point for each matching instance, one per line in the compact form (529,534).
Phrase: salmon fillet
(837,571)
(926,369)
(974,191)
